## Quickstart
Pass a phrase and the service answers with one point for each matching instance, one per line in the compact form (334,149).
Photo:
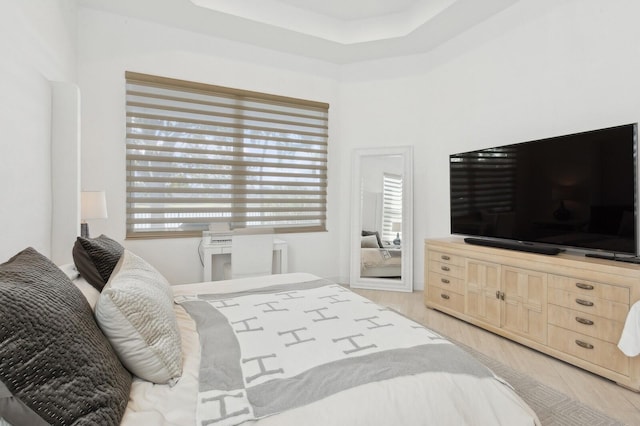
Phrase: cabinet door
(482,291)
(525,303)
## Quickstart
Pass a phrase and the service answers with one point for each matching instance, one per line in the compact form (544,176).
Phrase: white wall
(540,68)
(109,45)
(36,46)
(65,169)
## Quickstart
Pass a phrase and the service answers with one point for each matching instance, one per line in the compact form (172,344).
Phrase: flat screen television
(575,191)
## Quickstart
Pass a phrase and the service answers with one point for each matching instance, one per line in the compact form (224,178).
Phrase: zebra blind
(483,181)
(198,154)
(391,204)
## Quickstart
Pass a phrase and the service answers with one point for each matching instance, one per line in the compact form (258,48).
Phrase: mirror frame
(405,283)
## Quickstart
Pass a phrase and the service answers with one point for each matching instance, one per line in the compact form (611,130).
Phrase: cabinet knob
(584,344)
(444,296)
(584,321)
(445,257)
(584,302)
(444,281)
(584,286)
(445,268)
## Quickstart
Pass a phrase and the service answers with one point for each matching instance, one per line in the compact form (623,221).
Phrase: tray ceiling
(336,31)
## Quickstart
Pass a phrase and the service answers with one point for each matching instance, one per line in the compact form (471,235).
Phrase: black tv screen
(572,191)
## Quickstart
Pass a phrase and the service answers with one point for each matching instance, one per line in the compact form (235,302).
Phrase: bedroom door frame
(359,160)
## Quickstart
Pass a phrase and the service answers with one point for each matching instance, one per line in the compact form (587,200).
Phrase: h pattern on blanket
(281,347)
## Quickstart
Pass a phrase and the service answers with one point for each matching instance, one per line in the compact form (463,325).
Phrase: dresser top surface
(573,260)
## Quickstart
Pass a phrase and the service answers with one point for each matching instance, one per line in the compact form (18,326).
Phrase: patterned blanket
(281,347)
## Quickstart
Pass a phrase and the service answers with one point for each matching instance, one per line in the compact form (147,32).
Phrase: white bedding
(377,262)
(426,398)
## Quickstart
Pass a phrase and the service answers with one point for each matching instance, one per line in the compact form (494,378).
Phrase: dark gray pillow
(55,363)
(95,258)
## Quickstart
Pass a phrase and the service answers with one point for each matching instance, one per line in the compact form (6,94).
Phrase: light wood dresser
(568,306)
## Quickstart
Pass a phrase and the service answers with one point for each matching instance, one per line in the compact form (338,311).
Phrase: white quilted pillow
(135,312)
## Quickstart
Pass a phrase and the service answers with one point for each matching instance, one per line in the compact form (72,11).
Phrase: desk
(215,253)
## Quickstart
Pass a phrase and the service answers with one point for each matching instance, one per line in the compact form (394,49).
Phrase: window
(391,205)
(198,154)
(483,181)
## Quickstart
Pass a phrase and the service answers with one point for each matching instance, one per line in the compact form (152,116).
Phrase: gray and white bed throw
(281,347)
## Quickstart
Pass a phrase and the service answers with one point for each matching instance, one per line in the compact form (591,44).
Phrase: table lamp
(93,206)
(396,227)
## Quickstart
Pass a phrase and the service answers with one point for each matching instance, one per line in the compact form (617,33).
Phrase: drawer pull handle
(444,296)
(584,344)
(584,286)
(444,281)
(445,268)
(584,302)
(584,321)
(445,257)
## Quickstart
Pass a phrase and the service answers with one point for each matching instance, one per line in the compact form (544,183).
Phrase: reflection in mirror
(381,213)
(381,256)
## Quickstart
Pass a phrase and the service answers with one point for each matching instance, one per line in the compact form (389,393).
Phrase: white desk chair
(251,254)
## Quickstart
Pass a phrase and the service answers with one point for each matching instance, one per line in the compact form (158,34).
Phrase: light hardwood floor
(593,390)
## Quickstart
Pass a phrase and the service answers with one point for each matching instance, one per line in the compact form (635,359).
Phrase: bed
(378,260)
(278,350)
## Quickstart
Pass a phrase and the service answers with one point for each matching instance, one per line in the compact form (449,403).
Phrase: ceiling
(337,31)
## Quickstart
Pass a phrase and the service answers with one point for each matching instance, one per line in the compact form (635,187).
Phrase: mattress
(430,397)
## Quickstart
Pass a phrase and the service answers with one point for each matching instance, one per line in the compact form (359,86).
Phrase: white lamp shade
(93,205)
(396,227)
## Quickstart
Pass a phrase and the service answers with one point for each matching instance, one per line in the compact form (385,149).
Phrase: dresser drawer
(446,282)
(453,271)
(445,298)
(590,349)
(584,323)
(590,288)
(448,258)
(588,304)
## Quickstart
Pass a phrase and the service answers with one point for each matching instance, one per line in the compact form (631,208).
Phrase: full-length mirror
(382,219)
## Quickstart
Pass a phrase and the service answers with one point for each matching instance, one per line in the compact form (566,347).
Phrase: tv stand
(514,245)
(628,259)
(567,306)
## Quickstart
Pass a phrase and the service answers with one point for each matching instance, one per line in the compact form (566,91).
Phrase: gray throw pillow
(367,233)
(55,364)
(95,258)
(369,242)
